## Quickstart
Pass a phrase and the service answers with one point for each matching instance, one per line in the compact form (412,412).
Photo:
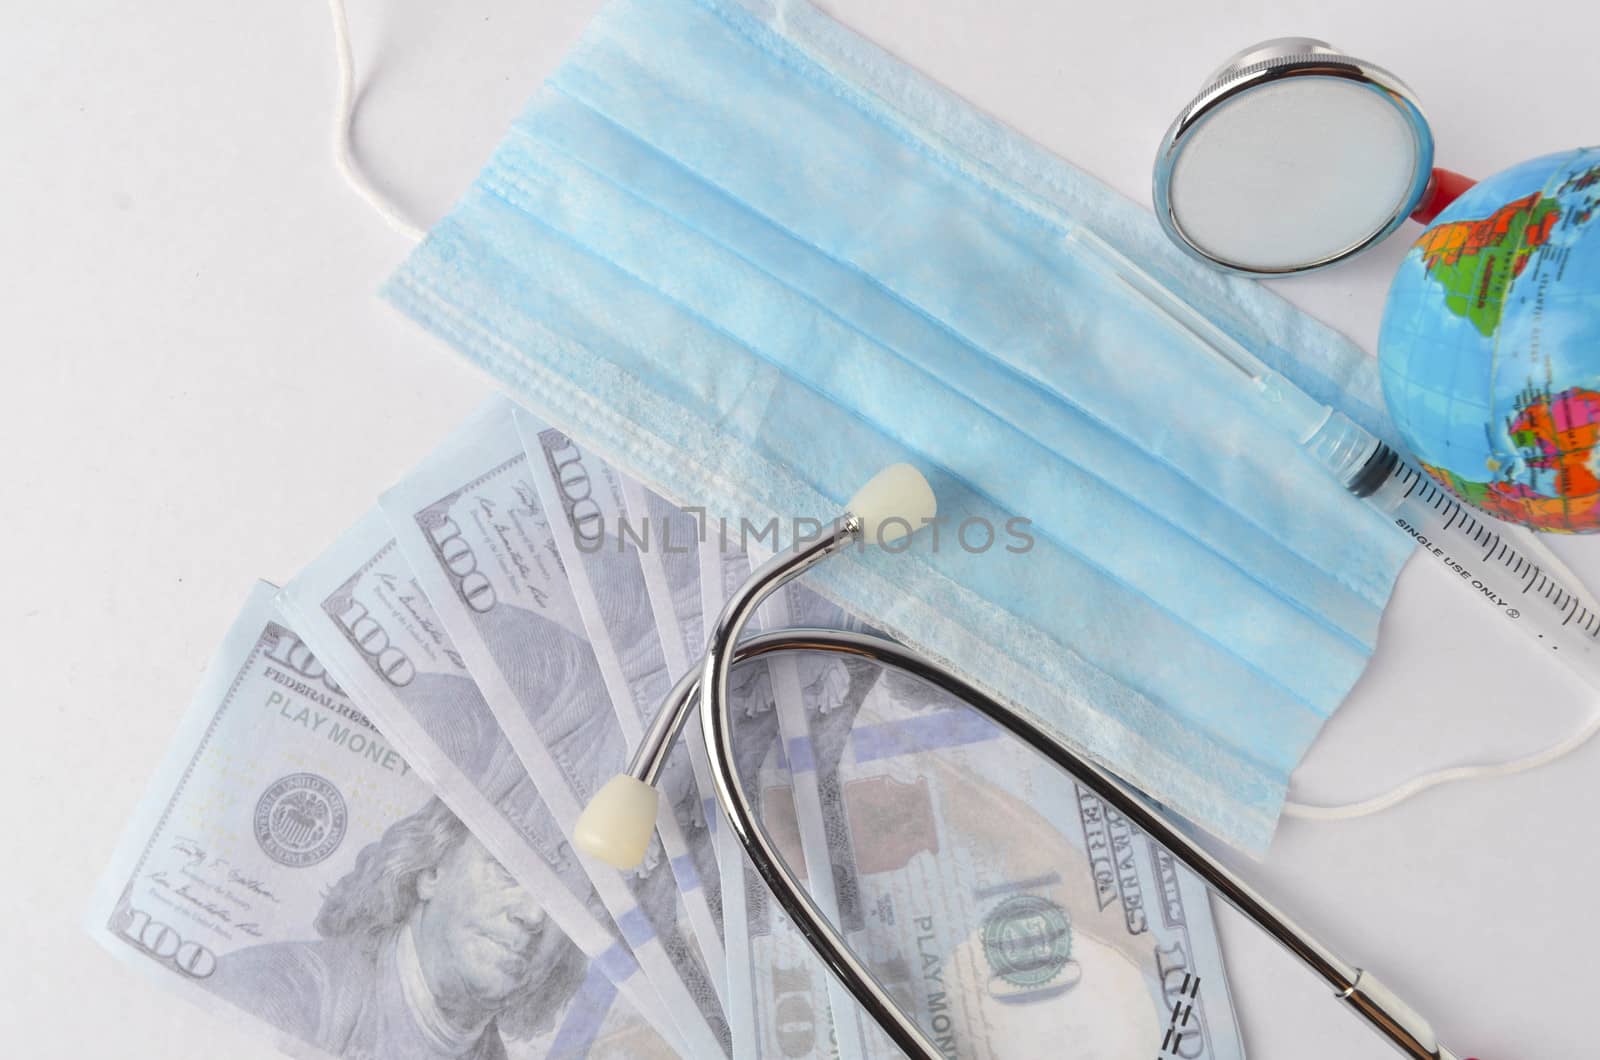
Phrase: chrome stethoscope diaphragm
(1293,156)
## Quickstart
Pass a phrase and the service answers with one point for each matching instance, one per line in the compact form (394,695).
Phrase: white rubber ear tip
(616,825)
(893,503)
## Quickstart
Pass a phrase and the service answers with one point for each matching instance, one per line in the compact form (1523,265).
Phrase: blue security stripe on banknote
(287,862)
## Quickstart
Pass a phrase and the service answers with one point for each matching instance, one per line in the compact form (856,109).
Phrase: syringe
(1473,546)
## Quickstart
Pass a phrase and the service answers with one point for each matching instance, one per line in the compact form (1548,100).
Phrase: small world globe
(1489,349)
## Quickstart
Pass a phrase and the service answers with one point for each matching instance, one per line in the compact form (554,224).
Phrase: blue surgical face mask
(751,259)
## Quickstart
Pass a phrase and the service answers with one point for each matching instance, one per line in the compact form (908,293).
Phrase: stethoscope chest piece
(1293,156)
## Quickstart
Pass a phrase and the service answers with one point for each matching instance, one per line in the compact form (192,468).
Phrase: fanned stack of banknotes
(359,842)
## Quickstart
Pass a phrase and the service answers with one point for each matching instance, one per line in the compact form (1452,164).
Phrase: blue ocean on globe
(1489,349)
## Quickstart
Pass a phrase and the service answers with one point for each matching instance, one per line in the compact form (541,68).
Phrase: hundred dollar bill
(787,979)
(917,775)
(483,551)
(598,541)
(360,611)
(803,685)
(776,1001)
(790,1011)
(1007,908)
(289,871)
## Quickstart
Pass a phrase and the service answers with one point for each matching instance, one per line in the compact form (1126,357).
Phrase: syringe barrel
(1484,556)
(1473,546)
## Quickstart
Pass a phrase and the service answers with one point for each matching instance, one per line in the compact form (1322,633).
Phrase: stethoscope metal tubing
(1390,1016)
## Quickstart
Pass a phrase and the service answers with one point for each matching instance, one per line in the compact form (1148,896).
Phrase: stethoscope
(617,825)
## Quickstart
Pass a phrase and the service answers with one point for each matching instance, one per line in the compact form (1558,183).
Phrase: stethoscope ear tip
(895,502)
(616,825)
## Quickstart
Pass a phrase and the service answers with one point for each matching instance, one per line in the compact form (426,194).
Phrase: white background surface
(200,388)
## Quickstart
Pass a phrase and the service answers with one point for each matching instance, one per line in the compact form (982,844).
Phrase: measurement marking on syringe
(1452,518)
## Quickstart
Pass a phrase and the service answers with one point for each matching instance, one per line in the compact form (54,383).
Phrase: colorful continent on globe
(1558,433)
(1516,365)
(1476,260)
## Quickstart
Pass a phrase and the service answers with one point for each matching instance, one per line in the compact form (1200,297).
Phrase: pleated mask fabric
(751,259)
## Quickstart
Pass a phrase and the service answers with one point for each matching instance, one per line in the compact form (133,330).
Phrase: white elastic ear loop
(1416,785)
(1529,544)
(342,155)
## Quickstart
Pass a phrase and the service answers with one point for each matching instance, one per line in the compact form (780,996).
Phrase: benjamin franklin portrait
(428,949)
